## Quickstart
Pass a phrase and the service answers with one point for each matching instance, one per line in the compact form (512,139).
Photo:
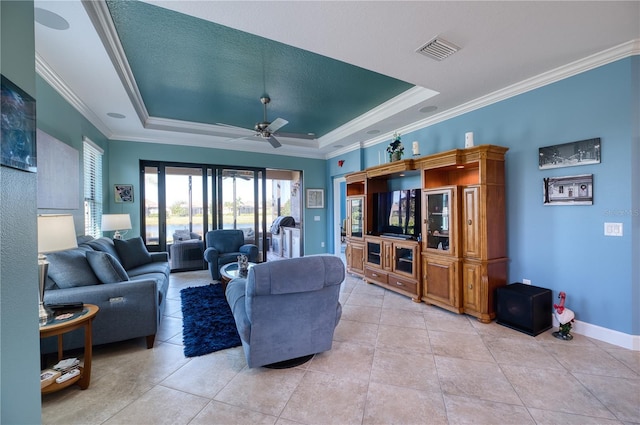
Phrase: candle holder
(415,147)
(468,139)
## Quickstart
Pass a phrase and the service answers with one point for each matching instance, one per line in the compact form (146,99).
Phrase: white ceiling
(505,47)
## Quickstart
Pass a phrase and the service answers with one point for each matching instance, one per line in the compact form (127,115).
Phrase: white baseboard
(630,342)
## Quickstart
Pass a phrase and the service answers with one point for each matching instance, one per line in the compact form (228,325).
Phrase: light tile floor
(393,361)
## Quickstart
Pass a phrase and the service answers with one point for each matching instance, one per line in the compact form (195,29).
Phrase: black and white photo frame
(583,152)
(568,190)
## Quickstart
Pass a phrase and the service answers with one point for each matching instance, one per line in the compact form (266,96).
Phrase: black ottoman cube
(525,308)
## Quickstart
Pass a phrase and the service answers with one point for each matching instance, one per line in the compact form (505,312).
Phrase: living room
(558,247)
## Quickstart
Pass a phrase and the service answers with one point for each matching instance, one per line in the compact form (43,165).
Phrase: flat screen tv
(397,213)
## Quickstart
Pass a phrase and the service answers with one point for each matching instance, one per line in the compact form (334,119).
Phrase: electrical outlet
(321,244)
(526,281)
(613,229)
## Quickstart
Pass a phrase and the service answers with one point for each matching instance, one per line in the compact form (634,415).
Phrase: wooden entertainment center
(459,258)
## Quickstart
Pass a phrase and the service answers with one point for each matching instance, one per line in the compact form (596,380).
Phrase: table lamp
(56,232)
(116,222)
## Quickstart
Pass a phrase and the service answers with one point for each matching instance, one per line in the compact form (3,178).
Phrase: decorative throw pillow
(70,269)
(106,267)
(132,252)
(104,244)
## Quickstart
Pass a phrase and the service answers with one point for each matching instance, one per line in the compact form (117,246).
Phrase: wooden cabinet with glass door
(405,269)
(355,222)
(440,262)
(464,227)
(393,264)
(355,217)
(355,234)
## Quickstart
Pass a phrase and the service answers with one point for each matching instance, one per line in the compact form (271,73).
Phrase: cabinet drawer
(376,275)
(403,283)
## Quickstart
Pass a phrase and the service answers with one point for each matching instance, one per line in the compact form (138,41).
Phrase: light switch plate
(613,229)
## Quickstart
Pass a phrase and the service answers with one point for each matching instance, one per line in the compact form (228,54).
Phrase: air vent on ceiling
(438,49)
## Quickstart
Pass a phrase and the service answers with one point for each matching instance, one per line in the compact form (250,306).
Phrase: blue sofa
(224,246)
(287,309)
(127,282)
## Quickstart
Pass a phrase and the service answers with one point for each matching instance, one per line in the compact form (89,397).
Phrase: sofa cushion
(155,267)
(105,245)
(106,267)
(132,252)
(70,269)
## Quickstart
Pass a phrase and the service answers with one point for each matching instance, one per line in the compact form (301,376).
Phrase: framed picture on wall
(315,198)
(123,193)
(583,152)
(569,190)
(18,128)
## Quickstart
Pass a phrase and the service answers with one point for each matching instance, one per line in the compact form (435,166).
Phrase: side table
(228,272)
(54,328)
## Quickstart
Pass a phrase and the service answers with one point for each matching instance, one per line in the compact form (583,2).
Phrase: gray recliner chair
(287,309)
(187,251)
(224,246)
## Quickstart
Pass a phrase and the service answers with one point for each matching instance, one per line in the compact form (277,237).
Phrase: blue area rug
(208,323)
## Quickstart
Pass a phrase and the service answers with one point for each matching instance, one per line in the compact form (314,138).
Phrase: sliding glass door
(185,202)
(174,202)
(240,195)
(192,199)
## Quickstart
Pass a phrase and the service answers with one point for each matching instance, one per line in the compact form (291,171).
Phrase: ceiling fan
(268,130)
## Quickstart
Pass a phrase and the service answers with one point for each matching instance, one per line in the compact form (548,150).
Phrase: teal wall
(124,160)
(563,247)
(59,119)
(19,335)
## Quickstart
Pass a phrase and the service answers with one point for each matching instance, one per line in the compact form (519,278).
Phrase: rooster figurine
(565,318)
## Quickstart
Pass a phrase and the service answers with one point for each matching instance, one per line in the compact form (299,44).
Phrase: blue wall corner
(563,247)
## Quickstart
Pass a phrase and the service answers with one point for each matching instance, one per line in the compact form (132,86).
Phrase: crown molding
(168,124)
(168,138)
(49,75)
(399,103)
(101,19)
(99,15)
(624,50)
(344,150)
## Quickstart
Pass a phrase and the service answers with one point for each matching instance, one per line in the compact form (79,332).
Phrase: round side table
(60,327)
(228,272)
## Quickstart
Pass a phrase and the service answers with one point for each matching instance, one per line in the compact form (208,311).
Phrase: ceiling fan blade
(274,142)
(275,125)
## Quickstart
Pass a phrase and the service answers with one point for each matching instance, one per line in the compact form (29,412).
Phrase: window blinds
(92,188)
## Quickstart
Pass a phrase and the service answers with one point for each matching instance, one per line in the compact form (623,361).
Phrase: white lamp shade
(115,222)
(56,232)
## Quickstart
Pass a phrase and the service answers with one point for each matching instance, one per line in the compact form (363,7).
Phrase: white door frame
(337,202)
